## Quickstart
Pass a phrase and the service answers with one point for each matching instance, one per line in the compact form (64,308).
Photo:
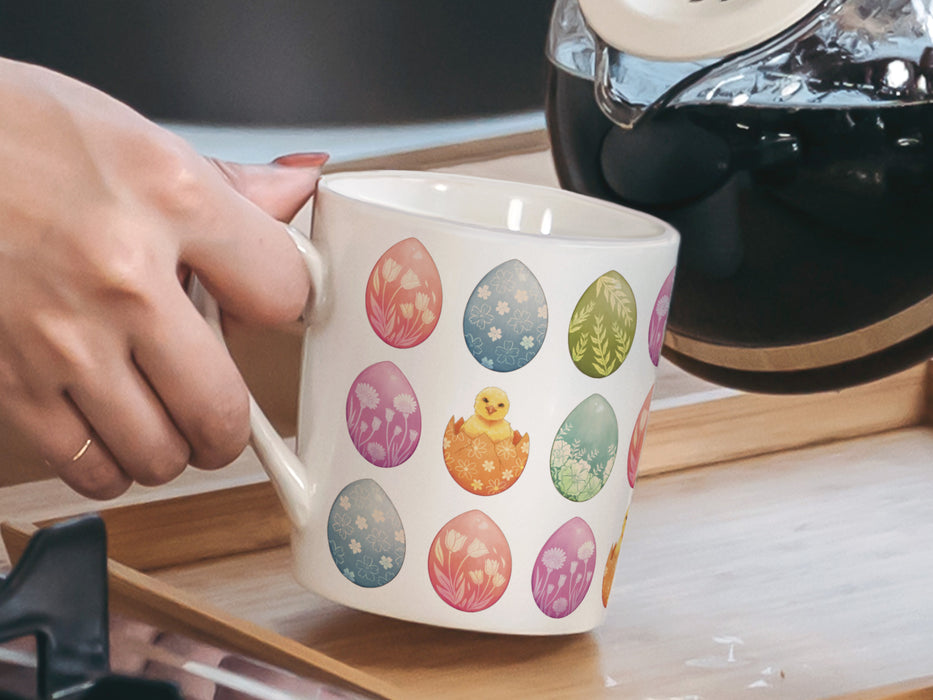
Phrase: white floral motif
(521,296)
(483,292)
(361,522)
(367,395)
(405,403)
(586,550)
(502,308)
(454,541)
(410,280)
(554,558)
(344,502)
(477,548)
(527,342)
(494,333)
(386,562)
(390,269)
(355,546)
(376,451)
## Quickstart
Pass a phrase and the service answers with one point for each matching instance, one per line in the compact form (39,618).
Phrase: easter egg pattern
(484,453)
(563,570)
(585,449)
(659,319)
(365,533)
(470,562)
(505,324)
(602,326)
(638,438)
(383,415)
(611,563)
(403,294)
(506,316)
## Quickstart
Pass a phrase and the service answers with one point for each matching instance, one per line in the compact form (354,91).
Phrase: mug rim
(665,233)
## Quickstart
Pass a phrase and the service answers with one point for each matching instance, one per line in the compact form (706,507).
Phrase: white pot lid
(688,30)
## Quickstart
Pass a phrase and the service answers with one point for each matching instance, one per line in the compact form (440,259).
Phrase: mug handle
(287,472)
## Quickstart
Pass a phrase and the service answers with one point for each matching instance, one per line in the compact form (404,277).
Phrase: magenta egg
(564,569)
(383,415)
(662,307)
(403,294)
(638,438)
(470,563)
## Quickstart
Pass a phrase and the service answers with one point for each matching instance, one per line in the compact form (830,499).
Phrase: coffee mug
(478,365)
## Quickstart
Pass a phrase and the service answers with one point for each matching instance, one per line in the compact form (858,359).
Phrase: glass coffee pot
(791,144)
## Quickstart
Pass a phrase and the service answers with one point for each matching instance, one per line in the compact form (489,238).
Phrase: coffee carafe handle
(287,472)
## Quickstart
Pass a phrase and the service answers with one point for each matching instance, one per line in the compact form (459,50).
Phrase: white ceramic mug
(477,371)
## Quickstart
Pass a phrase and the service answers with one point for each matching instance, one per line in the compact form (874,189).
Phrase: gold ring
(80,453)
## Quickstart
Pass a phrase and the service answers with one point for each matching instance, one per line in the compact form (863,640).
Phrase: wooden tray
(798,573)
(796,567)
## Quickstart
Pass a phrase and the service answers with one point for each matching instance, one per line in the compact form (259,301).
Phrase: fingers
(68,443)
(196,380)
(130,420)
(279,189)
(244,256)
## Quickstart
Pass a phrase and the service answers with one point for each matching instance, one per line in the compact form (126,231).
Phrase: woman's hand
(104,363)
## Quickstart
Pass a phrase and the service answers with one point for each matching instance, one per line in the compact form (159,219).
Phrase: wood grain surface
(800,574)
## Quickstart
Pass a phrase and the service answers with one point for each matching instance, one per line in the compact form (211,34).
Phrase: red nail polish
(302,160)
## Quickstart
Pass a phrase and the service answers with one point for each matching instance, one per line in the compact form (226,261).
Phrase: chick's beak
(490,410)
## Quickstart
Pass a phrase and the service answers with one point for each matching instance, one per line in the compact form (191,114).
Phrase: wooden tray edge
(733,425)
(172,609)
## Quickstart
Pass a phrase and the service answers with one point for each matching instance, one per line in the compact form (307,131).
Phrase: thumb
(244,257)
(281,188)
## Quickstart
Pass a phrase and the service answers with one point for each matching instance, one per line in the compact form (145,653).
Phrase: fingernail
(302,160)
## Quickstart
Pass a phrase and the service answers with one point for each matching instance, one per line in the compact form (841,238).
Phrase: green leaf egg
(602,326)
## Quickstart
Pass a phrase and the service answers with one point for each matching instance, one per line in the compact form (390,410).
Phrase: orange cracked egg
(484,453)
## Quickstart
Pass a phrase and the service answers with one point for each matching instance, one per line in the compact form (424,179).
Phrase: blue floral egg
(365,533)
(584,449)
(505,320)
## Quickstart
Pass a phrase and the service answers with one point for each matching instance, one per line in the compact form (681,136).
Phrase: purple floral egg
(383,415)
(564,569)
(658,323)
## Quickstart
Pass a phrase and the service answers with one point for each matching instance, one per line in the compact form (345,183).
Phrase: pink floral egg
(638,438)
(564,569)
(658,323)
(470,563)
(403,294)
(383,415)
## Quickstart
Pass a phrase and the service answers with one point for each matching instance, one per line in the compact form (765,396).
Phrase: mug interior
(498,205)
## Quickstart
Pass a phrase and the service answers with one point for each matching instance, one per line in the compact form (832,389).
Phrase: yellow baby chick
(490,408)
